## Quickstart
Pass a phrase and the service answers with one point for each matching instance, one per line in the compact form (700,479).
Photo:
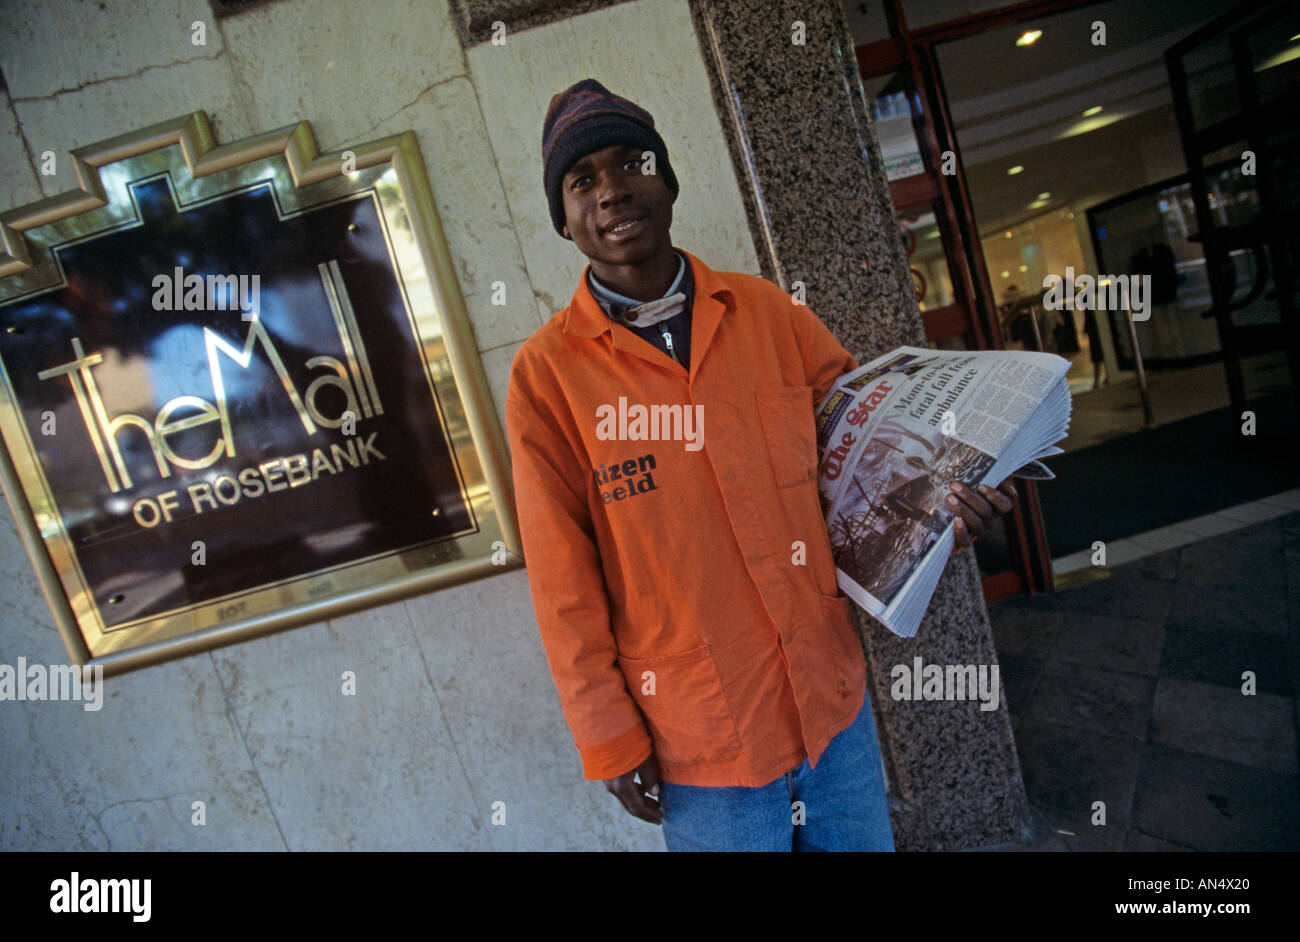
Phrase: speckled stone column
(805,149)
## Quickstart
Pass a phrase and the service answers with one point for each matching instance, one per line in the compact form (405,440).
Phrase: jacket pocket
(787,416)
(850,662)
(683,702)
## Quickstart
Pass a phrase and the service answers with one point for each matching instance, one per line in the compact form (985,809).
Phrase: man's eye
(579,181)
(633,163)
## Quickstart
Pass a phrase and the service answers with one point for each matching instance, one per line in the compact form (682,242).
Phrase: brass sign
(239,392)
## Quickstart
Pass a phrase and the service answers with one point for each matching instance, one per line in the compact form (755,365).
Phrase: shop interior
(1068,144)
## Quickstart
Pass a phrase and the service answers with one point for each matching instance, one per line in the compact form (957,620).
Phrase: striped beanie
(587,117)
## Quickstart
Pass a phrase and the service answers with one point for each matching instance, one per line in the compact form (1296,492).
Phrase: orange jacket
(686,595)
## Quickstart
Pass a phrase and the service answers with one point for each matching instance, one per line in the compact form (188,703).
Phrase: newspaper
(895,433)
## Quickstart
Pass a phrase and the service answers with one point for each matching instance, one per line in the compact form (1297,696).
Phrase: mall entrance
(1121,137)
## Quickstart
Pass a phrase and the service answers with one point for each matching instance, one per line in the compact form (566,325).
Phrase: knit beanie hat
(587,117)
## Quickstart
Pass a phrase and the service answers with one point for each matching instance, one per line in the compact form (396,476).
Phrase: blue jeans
(843,804)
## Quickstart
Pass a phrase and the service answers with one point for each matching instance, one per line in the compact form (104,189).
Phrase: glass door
(1233,84)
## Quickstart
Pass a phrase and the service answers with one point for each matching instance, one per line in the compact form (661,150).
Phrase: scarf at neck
(633,313)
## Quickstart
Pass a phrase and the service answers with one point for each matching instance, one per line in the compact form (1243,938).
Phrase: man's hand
(639,798)
(974,513)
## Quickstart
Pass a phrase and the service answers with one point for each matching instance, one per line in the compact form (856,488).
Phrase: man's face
(615,214)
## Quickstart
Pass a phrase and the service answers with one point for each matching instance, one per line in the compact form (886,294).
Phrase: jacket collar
(617,306)
(712,298)
(587,319)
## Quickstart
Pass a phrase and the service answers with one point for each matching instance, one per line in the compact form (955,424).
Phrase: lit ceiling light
(1008,233)
(1024,268)
(1043,196)
(1095,109)
(1006,274)
(1015,170)
(1029,37)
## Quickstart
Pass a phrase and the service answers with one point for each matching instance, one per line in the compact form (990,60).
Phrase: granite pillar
(820,212)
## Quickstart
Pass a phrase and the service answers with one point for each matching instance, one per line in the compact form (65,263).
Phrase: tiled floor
(1129,691)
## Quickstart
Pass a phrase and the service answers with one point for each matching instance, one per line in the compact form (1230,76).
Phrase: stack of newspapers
(894,434)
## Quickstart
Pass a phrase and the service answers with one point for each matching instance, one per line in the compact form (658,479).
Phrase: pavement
(1155,707)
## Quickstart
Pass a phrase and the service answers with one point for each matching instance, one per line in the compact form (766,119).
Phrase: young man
(661,430)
